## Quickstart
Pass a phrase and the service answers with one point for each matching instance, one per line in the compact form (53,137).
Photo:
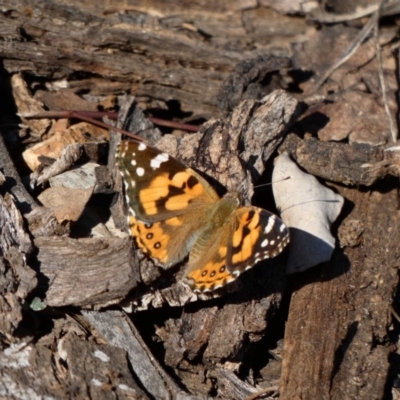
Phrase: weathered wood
(150,51)
(12,181)
(356,164)
(340,313)
(119,331)
(175,57)
(86,271)
(17,277)
(63,364)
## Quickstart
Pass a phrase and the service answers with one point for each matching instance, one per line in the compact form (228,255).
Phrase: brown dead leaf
(358,116)
(28,105)
(67,204)
(109,103)
(60,125)
(53,147)
(65,99)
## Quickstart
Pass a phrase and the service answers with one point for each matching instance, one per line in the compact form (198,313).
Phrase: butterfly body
(174,212)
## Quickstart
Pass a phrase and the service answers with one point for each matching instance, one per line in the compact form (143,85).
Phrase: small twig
(395,313)
(174,124)
(349,52)
(398,77)
(382,80)
(74,114)
(91,116)
(271,183)
(263,392)
(329,18)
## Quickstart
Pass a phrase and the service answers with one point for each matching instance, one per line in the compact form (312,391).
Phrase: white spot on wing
(270,225)
(133,162)
(132,212)
(160,158)
(142,147)
(264,243)
(140,171)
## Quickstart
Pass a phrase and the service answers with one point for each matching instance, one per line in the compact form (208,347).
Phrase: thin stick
(272,183)
(382,80)
(349,52)
(263,392)
(73,114)
(95,115)
(385,10)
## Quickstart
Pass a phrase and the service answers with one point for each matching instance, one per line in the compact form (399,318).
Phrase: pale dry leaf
(70,155)
(82,177)
(309,209)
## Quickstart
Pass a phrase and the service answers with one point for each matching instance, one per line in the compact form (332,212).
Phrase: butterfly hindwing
(258,235)
(207,269)
(250,235)
(167,241)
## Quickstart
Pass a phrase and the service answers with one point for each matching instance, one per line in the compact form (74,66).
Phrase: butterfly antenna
(271,183)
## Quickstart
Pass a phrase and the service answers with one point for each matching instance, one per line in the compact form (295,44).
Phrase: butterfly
(174,212)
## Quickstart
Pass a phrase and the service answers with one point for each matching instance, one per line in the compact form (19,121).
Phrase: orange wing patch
(150,238)
(211,276)
(176,221)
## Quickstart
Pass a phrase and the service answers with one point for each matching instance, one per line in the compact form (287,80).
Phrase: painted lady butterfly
(174,212)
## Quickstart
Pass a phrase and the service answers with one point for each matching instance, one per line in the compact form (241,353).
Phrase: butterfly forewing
(168,202)
(158,186)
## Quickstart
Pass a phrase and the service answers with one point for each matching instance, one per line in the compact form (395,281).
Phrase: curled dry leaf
(76,186)
(55,198)
(28,105)
(309,209)
(82,177)
(54,146)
